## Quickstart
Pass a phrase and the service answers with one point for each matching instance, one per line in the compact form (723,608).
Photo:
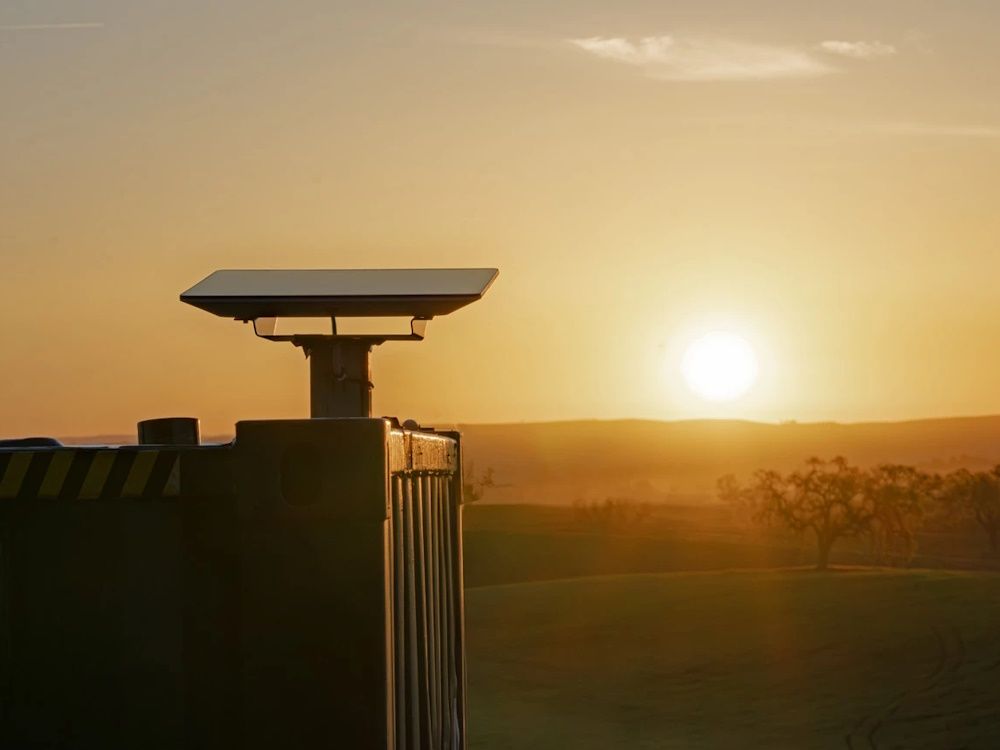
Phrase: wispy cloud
(858,50)
(693,58)
(52,26)
(846,126)
(930,129)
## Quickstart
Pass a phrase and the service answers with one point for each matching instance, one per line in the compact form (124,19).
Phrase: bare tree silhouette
(834,500)
(975,496)
(900,495)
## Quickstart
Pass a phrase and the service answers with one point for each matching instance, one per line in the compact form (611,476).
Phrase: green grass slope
(779,659)
(500,557)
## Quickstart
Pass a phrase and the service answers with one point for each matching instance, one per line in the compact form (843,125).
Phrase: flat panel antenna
(339,364)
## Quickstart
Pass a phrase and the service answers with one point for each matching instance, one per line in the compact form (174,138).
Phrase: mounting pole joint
(340,378)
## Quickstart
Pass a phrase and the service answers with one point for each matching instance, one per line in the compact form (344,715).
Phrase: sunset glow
(720,366)
(824,189)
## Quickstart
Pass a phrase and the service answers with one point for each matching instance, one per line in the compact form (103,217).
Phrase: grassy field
(687,631)
(778,659)
(521,543)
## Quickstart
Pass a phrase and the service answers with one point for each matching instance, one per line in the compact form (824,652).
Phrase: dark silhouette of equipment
(339,362)
(298,587)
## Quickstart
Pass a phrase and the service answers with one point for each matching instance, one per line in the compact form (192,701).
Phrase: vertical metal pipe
(422,624)
(445,608)
(431,590)
(432,594)
(449,613)
(459,589)
(399,612)
(435,607)
(442,611)
(413,683)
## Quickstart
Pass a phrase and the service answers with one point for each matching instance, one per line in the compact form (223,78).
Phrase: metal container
(299,587)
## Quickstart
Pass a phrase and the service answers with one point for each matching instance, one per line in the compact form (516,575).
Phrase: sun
(720,366)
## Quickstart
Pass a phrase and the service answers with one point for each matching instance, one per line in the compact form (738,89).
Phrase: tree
(985,502)
(899,496)
(976,498)
(827,499)
(730,491)
(613,512)
(950,511)
(738,498)
(474,485)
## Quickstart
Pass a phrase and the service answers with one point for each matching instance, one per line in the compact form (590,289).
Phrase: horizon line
(217,437)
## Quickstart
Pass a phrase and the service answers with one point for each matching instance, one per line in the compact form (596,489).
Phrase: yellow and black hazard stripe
(89,474)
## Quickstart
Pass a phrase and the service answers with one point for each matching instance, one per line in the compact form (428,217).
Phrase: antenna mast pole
(340,377)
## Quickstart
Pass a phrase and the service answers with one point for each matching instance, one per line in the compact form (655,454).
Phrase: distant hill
(680,461)
(559,462)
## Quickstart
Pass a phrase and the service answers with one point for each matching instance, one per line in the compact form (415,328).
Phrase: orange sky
(823,181)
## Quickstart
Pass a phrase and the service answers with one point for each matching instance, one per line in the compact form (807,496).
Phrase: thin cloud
(927,129)
(691,58)
(51,26)
(854,127)
(858,50)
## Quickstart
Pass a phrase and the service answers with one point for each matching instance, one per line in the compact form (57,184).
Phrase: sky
(820,179)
